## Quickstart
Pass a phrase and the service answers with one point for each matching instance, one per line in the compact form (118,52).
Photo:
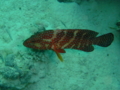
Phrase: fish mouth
(26,43)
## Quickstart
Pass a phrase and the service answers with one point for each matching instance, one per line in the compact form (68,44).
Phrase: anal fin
(86,48)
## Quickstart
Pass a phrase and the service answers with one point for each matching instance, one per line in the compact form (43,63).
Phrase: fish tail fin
(104,40)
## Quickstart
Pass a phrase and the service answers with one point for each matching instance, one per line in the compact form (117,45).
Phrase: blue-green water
(22,68)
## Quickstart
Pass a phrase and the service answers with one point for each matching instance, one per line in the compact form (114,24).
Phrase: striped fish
(58,40)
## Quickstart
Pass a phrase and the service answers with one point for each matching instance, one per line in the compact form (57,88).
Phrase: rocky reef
(19,70)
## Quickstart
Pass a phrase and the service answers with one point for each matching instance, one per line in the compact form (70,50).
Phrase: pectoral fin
(59,56)
(58,51)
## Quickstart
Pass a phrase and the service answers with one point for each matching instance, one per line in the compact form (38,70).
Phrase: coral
(11,74)
(20,69)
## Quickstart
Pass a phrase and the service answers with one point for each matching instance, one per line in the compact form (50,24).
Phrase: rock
(77,1)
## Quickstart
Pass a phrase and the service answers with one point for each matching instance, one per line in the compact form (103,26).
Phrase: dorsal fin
(86,34)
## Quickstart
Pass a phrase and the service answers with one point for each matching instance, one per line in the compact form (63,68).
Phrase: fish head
(35,42)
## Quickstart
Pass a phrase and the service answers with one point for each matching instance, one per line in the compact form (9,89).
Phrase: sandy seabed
(97,70)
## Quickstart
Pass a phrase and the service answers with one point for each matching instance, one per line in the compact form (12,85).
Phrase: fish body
(58,40)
